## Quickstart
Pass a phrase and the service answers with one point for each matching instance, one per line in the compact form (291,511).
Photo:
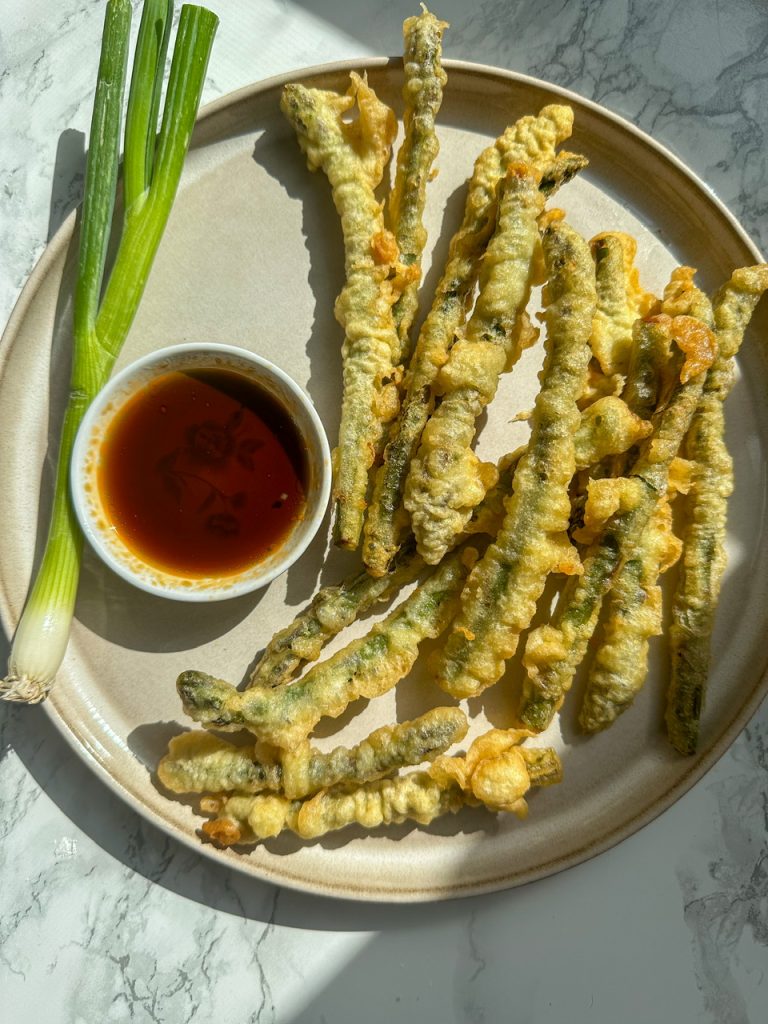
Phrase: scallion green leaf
(144,99)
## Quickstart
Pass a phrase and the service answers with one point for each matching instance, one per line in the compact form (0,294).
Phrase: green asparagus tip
(537,714)
(195,693)
(684,740)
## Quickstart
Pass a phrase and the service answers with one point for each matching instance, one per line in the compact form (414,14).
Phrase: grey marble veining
(726,894)
(104,918)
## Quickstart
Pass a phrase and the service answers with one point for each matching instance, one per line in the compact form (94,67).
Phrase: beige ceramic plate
(252,257)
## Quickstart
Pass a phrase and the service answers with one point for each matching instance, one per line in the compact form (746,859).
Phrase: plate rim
(454,889)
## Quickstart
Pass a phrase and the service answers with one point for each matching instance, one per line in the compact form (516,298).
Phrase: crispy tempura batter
(635,615)
(367,667)
(554,652)
(620,665)
(423,94)
(499,600)
(353,156)
(533,140)
(331,610)
(498,772)
(608,427)
(607,497)
(703,562)
(495,772)
(199,762)
(620,301)
(446,479)
(489,514)
(699,346)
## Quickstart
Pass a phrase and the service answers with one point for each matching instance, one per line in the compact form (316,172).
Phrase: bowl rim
(238,584)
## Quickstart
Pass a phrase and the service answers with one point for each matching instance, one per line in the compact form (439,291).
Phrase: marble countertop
(103,917)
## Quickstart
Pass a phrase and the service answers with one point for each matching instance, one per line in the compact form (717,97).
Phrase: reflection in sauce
(203,473)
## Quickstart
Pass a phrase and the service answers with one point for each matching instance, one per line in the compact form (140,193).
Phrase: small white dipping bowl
(86,497)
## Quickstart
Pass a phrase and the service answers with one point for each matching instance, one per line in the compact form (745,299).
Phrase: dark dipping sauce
(203,473)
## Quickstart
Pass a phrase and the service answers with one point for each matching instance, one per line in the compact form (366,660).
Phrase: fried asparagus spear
(447,479)
(353,156)
(532,139)
(334,608)
(331,610)
(423,94)
(620,301)
(501,594)
(367,667)
(620,664)
(200,762)
(693,607)
(553,652)
(495,772)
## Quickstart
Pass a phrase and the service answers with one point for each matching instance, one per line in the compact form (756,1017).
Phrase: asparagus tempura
(200,762)
(447,479)
(500,598)
(534,139)
(367,667)
(703,563)
(423,93)
(554,652)
(353,156)
(495,772)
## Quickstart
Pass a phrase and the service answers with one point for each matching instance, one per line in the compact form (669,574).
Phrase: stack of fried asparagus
(629,416)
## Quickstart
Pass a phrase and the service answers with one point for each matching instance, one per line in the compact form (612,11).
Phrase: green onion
(143,102)
(152,168)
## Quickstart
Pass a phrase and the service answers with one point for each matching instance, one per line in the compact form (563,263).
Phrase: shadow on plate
(137,621)
(67,178)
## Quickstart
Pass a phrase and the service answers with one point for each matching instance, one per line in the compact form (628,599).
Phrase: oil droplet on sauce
(203,473)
